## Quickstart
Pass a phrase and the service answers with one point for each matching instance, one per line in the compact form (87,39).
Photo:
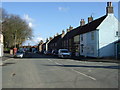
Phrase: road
(39,71)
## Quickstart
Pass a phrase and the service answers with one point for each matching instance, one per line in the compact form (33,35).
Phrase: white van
(64,53)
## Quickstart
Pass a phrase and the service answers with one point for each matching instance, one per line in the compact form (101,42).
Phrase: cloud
(29,20)
(30,24)
(37,39)
(63,8)
(33,41)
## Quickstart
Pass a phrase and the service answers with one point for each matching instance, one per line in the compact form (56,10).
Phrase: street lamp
(15,38)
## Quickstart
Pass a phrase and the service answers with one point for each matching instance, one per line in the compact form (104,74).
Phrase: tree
(15,30)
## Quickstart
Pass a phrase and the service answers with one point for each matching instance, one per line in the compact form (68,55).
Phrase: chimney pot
(82,22)
(63,32)
(90,19)
(47,40)
(67,30)
(57,34)
(109,8)
(70,28)
(109,4)
(50,38)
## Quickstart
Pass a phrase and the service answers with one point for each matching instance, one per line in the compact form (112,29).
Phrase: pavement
(6,56)
(29,55)
(111,60)
(40,71)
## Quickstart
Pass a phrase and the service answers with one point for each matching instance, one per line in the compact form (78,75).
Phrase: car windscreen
(64,51)
(19,52)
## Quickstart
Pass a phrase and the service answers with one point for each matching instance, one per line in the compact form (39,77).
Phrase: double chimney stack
(109,10)
(82,22)
(70,28)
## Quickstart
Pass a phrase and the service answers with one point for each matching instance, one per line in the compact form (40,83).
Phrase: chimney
(82,22)
(109,8)
(70,28)
(41,42)
(67,30)
(47,40)
(90,19)
(63,32)
(57,34)
(50,38)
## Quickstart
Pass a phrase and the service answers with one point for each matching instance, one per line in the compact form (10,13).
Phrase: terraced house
(96,38)
(56,43)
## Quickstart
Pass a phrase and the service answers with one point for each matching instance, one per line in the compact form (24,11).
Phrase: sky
(49,18)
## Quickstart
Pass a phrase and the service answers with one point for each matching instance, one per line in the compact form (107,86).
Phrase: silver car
(19,54)
(64,53)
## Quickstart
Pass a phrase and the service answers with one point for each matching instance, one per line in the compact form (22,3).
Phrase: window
(92,50)
(82,48)
(92,35)
(117,33)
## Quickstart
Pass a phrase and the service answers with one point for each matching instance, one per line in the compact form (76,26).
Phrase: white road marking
(58,63)
(84,74)
(50,70)
(55,62)
(50,60)
(7,60)
(89,70)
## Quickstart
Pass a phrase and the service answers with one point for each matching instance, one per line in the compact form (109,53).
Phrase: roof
(86,28)
(118,41)
(55,39)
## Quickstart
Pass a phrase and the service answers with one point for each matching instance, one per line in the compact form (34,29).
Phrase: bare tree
(15,30)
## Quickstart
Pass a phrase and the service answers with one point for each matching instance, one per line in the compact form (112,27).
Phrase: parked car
(64,53)
(35,51)
(55,52)
(47,52)
(19,54)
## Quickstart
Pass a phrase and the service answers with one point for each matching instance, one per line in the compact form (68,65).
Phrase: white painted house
(98,36)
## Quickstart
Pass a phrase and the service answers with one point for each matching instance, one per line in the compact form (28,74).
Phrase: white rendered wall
(90,46)
(107,36)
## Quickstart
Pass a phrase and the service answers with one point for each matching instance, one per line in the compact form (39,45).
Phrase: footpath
(110,60)
(8,56)
(5,57)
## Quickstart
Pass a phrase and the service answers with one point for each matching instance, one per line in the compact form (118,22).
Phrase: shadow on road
(107,67)
(37,55)
(10,63)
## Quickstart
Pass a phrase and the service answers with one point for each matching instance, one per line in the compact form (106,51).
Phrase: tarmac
(111,60)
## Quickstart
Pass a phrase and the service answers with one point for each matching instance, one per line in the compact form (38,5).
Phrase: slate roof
(86,28)
(118,41)
(55,39)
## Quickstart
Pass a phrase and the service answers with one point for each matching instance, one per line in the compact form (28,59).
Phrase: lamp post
(15,48)
(15,38)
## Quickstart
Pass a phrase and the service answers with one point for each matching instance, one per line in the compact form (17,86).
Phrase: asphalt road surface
(39,71)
